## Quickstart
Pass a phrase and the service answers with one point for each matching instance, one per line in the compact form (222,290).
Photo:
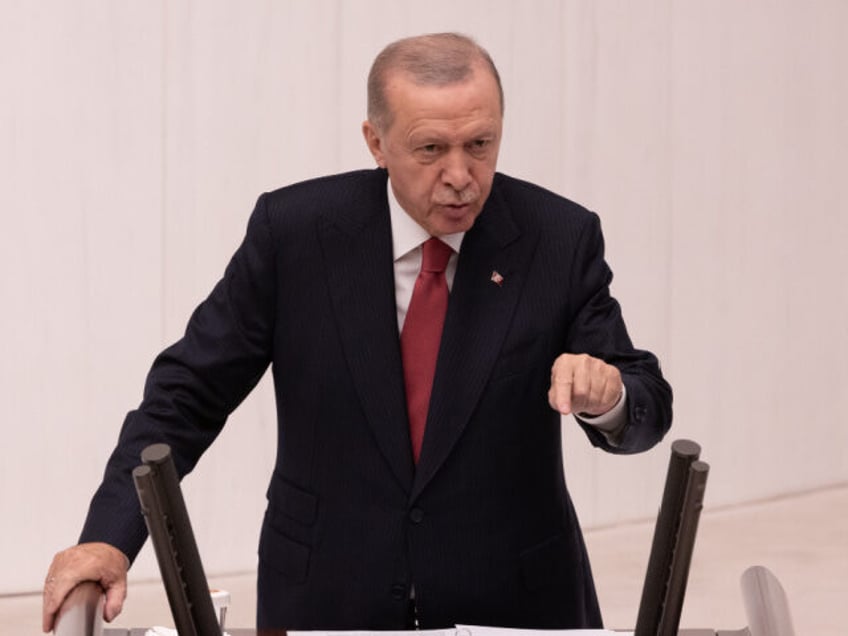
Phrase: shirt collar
(407,234)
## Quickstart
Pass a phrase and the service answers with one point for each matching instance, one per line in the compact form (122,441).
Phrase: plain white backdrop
(135,137)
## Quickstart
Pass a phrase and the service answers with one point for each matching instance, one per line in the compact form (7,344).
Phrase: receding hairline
(435,59)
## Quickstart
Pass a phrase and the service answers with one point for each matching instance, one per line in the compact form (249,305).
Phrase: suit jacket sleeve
(193,385)
(598,329)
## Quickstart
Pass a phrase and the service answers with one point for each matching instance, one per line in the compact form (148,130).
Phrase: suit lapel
(357,247)
(479,313)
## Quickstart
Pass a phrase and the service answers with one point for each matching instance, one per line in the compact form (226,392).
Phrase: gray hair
(436,59)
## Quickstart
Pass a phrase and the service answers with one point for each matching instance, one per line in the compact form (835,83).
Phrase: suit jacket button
(416,515)
(399,592)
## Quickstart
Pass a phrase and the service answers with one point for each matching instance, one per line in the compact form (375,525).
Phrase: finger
(115,596)
(584,385)
(613,388)
(612,393)
(606,391)
(56,588)
(559,396)
(571,378)
(48,610)
(598,395)
(569,383)
(562,376)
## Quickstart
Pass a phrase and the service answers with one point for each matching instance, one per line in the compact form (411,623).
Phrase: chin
(451,227)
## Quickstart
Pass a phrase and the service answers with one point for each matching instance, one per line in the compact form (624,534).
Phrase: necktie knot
(435,256)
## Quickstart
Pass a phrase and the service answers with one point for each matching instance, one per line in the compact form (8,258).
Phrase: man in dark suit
(381,514)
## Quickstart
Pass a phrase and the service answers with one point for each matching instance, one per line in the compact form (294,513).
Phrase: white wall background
(135,136)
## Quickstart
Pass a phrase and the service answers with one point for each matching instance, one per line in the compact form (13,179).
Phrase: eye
(479,146)
(428,152)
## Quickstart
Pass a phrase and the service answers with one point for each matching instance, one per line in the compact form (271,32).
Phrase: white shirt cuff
(611,423)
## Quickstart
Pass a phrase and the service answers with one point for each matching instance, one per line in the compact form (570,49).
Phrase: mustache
(450,196)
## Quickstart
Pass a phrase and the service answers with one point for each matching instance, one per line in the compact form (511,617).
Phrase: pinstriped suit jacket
(483,526)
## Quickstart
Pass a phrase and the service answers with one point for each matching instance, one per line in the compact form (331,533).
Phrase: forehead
(475,98)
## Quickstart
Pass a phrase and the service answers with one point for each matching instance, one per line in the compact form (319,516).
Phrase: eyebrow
(426,138)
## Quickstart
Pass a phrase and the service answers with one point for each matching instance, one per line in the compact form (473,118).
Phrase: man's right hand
(98,562)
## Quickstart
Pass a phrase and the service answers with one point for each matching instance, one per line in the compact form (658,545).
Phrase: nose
(456,170)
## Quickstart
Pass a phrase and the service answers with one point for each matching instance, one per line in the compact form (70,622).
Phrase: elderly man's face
(441,148)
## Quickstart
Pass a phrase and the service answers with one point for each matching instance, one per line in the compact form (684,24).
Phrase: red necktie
(421,335)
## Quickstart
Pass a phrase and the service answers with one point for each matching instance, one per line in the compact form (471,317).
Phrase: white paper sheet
(470,630)
(480,630)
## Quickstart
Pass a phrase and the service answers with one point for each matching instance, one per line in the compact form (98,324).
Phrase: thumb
(116,593)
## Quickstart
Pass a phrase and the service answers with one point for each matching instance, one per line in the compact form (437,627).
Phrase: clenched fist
(583,384)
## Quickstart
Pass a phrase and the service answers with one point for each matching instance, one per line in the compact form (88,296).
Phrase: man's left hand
(583,384)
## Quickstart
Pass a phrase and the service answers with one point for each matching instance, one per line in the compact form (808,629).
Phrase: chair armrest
(766,604)
(81,613)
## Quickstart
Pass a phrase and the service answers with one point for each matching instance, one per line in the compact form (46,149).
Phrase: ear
(374,142)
